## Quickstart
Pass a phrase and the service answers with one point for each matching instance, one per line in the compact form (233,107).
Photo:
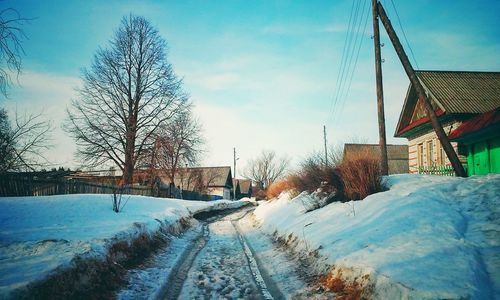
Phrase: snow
(220,270)
(146,283)
(426,237)
(40,234)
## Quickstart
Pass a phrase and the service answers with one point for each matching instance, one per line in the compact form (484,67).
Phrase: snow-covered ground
(426,237)
(220,270)
(40,234)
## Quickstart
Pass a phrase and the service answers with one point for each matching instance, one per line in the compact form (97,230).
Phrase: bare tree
(178,143)
(266,168)
(23,142)
(11,49)
(128,92)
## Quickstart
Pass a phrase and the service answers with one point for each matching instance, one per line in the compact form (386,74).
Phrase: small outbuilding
(479,140)
(397,155)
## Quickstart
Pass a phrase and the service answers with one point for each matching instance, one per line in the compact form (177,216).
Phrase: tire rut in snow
(179,273)
(256,271)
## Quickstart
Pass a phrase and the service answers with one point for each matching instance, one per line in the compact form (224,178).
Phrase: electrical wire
(356,60)
(404,35)
(347,58)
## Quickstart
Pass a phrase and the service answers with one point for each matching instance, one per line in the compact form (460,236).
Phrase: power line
(346,59)
(404,34)
(356,60)
(342,63)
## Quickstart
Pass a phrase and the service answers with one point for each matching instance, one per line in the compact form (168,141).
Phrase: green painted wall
(484,157)
(495,155)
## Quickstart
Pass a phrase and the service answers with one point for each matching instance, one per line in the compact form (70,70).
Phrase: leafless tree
(11,49)
(129,90)
(266,168)
(22,143)
(178,143)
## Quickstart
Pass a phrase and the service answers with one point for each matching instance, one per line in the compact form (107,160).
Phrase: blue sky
(262,74)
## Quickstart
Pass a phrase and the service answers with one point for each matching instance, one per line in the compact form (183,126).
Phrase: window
(430,153)
(420,155)
(441,154)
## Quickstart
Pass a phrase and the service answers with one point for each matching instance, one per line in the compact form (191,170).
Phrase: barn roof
(453,92)
(210,176)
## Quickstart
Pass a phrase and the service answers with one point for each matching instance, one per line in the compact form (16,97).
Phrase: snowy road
(223,257)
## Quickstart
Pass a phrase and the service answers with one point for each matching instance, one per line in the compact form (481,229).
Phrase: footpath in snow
(40,236)
(427,237)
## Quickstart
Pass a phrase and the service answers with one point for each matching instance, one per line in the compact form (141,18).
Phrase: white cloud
(300,29)
(50,94)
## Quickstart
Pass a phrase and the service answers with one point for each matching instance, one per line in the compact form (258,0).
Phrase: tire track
(172,289)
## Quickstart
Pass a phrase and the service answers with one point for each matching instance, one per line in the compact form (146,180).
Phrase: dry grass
(94,278)
(276,188)
(356,289)
(360,175)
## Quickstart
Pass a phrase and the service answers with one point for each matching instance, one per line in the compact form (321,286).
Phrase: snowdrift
(427,237)
(41,236)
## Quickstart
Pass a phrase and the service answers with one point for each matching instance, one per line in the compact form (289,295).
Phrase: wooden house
(215,182)
(397,155)
(456,97)
(236,189)
(245,188)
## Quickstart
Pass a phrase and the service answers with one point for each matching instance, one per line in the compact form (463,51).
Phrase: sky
(261,74)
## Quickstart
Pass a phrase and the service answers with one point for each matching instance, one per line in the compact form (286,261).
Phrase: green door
(495,155)
(481,158)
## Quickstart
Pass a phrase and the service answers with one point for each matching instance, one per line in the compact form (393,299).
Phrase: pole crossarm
(422,96)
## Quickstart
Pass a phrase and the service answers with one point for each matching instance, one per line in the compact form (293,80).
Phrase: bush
(313,175)
(276,188)
(360,176)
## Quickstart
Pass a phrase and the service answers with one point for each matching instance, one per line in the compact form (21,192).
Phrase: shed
(397,155)
(480,139)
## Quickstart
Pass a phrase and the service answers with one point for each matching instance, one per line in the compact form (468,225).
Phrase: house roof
(453,92)
(394,152)
(210,176)
(484,121)
(245,185)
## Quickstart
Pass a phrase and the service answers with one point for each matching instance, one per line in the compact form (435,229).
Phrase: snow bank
(426,237)
(40,234)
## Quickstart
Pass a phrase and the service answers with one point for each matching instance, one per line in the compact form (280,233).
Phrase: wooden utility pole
(324,139)
(380,92)
(234,175)
(443,138)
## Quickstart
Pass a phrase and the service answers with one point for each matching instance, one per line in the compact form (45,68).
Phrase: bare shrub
(313,175)
(276,188)
(360,175)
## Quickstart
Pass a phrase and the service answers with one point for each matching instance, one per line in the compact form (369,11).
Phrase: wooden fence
(437,170)
(13,186)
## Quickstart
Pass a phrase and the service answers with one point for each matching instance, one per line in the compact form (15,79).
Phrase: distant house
(215,182)
(479,139)
(245,188)
(397,155)
(236,188)
(456,97)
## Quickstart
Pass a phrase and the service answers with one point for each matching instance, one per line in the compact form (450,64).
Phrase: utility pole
(234,175)
(443,138)
(380,92)
(324,139)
